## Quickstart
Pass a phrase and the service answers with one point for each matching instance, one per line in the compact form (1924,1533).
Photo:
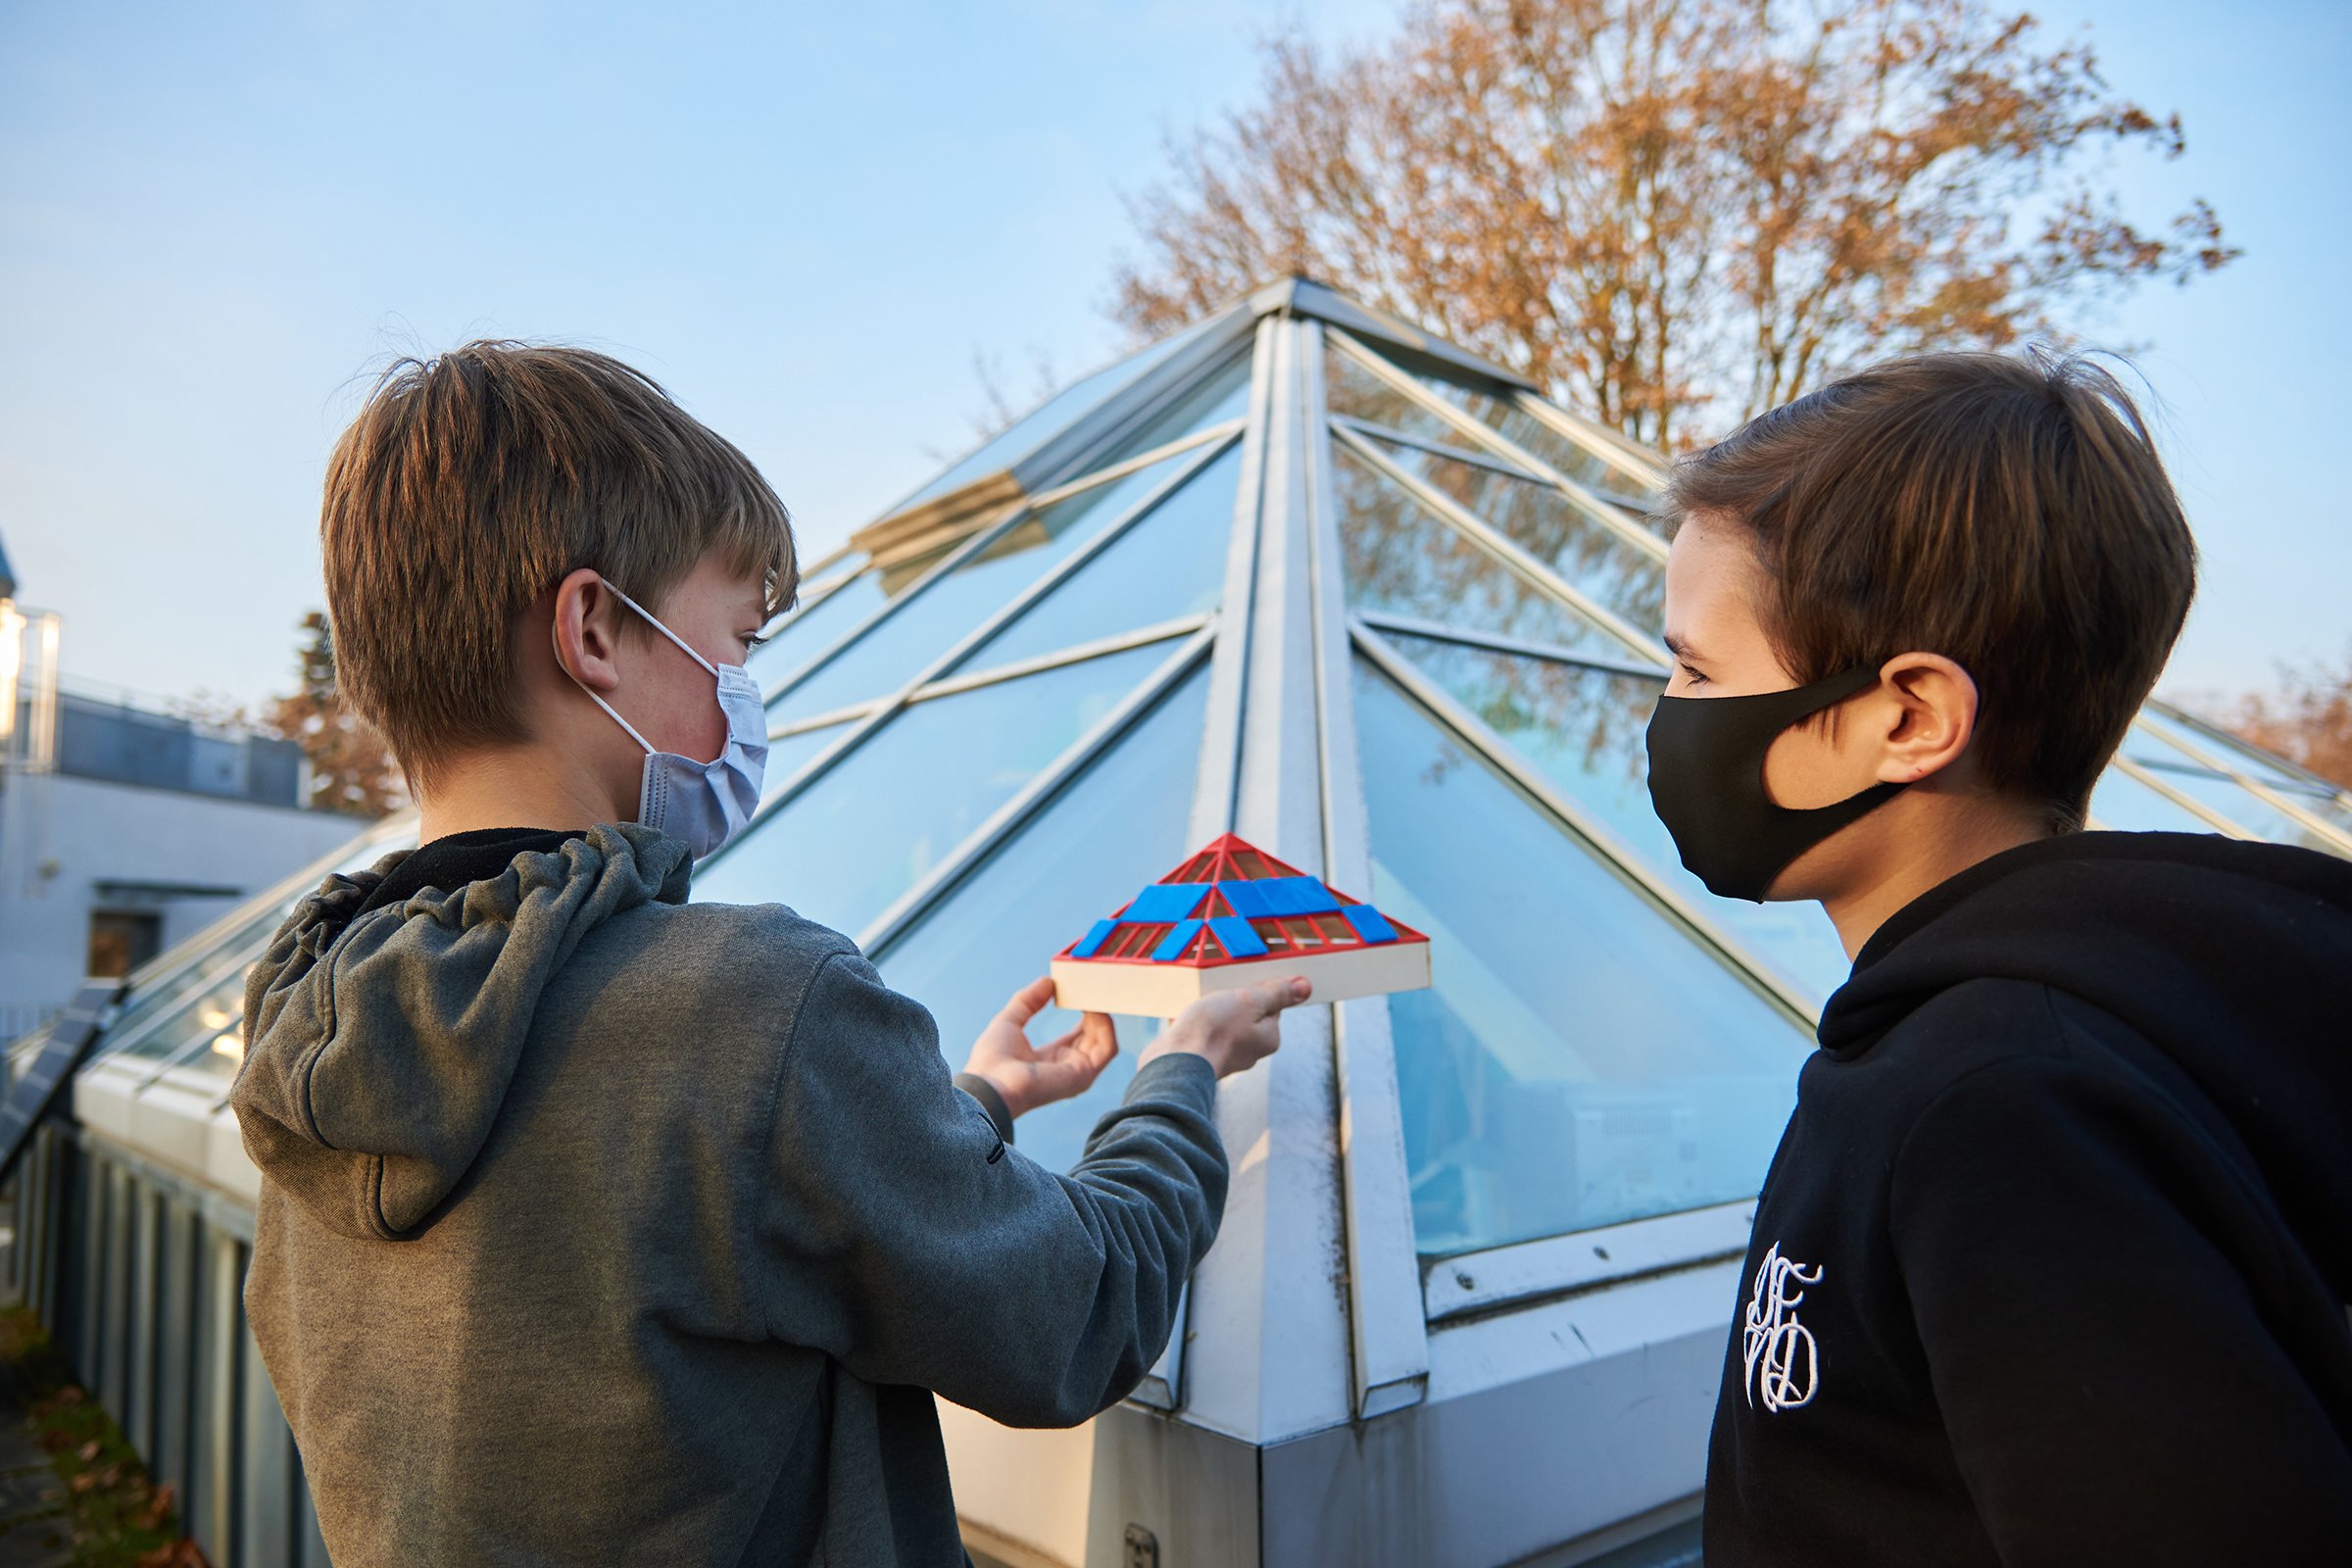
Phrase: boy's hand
(1235,1030)
(1030,1076)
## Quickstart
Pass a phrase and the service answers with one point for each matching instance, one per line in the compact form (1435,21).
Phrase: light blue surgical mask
(704,804)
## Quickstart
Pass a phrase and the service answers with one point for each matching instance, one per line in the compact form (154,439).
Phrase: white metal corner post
(1269,1355)
(1389,1342)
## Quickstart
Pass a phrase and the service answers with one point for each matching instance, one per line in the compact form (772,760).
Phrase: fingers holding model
(1234,1030)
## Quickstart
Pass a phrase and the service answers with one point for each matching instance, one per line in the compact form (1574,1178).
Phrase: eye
(1695,678)
(753,640)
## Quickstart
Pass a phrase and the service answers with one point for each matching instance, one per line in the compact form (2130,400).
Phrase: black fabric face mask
(1706,781)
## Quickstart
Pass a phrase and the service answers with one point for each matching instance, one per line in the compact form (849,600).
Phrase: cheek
(1806,769)
(692,724)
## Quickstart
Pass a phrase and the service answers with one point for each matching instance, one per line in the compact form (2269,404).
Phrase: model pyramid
(1233,915)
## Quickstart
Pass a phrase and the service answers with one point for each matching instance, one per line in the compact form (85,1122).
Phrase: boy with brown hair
(597,1226)
(2051,1265)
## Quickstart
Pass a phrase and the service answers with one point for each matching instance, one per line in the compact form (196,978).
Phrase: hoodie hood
(2233,958)
(379,1047)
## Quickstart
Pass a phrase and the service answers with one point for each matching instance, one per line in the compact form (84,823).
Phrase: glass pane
(212,1011)
(2320,799)
(1350,389)
(1585,730)
(1170,564)
(1556,531)
(1402,558)
(1051,418)
(811,632)
(888,657)
(1001,926)
(150,1003)
(786,756)
(1572,460)
(1223,396)
(2124,804)
(1592,1065)
(2220,793)
(885,814)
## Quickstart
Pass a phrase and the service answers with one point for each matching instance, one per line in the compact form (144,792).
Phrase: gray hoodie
(600,1227)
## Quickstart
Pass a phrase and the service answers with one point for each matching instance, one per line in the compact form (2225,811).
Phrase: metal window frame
(2326,831)
(1501,643)
(1036,663)
(1475,457)
(1529,1273)
(976,543)
(1389,1335)
(2196,808)
(2187,721)
(1507,551)
(1601,442)
(1526,1273)
(1485,435)
(880,711)
(1008,818)
(1628,863)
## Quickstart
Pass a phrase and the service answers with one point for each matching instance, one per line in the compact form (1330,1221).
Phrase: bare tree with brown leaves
(1676,212)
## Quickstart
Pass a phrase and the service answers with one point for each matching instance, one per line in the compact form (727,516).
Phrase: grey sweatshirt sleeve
(900,1234)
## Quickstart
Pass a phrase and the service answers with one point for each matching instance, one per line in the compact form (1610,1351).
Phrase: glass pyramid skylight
(1301,572)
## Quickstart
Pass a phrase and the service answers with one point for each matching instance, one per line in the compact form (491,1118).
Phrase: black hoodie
(2053,1262)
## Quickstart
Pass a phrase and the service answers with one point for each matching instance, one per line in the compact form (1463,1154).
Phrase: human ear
(587,630)
(1934,716)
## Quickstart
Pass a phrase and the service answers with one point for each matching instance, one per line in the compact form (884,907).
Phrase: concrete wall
(68,846)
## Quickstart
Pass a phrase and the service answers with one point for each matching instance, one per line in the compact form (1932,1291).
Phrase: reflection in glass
(1350,389)
(1118,826)
(2220,793)
(210,1037)
(1169,563)
(1589,1068)
(1051,418)
(1567,458)
(2123,802)
(1586,732)
(1221,397)
(871,825)
(1402,558)
(1555,530)
(2321,800)
(931,621)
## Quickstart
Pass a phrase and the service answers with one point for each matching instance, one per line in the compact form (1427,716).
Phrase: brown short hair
(2009,513)
(471,483)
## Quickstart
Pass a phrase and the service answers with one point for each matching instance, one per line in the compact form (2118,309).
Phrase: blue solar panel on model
(1236,938)
(1176,941)
(1163,902)
(1095,935)
(1370,924)
(1247,900)
(1286,896)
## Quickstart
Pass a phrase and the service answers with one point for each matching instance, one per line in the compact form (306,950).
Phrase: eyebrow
(1680,648)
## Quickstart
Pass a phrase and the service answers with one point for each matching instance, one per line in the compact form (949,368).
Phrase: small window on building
(123,940)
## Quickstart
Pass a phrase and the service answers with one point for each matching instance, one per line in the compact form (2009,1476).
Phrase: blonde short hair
(473,482)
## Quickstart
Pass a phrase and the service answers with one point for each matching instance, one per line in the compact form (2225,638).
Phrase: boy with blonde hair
(601,1227)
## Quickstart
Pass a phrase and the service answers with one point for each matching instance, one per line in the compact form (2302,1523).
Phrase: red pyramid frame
(1155,963)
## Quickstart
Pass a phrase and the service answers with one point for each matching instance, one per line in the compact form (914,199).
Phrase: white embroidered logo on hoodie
(1782,1366)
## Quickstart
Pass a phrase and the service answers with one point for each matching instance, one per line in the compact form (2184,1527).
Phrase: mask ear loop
(558,643)
(658,626)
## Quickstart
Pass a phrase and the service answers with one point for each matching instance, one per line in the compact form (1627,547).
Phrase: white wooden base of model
(1146,990)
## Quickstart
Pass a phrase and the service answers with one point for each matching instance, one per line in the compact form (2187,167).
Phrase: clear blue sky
(805,220)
